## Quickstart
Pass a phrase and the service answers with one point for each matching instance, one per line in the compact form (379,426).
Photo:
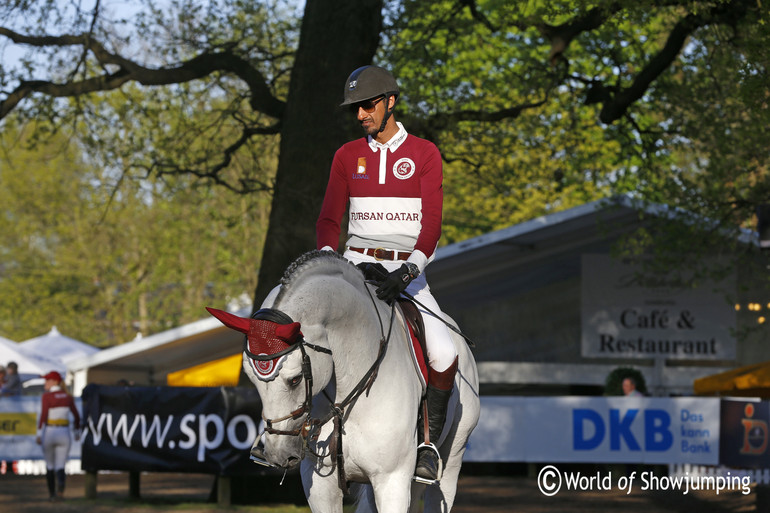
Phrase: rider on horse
(393,183)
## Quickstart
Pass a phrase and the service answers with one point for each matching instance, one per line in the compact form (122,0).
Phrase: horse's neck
(356,344)
(347,316)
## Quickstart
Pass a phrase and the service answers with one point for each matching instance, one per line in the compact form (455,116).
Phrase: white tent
(29,363)
(58,347)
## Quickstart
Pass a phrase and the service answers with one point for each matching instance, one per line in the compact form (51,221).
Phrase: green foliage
(613,384)
(694,139)
(103,256)
(526,101)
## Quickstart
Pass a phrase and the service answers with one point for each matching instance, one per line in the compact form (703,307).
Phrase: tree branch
(615,107)
(442,120)
(246,186)
(562,35)
(478,15)
(262,100)
(428,127)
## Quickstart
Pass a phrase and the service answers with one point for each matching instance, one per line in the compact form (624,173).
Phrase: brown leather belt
(382,254)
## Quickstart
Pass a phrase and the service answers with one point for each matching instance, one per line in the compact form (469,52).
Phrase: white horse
(342,397)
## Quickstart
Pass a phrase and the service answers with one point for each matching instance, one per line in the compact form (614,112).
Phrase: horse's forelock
(308,261)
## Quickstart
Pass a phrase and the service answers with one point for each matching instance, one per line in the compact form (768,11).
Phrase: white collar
(394,142)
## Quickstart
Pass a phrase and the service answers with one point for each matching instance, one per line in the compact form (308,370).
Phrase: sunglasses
(367,105)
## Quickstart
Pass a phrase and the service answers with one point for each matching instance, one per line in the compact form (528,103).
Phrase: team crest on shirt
(404,168)
(360,173)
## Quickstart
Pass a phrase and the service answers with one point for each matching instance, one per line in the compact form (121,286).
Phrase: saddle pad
(418,357)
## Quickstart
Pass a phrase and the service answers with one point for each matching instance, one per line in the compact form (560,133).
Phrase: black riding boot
(440,386)
(50,480)
(61,476)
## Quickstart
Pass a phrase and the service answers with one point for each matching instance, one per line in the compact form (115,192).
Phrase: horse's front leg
(321,487)
(392,491)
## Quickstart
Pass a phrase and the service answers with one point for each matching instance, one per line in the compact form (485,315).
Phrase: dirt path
(477,494)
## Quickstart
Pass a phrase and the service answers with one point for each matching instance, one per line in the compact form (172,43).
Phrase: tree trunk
(337,36)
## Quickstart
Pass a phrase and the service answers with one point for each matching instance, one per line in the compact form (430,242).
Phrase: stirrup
(439,471)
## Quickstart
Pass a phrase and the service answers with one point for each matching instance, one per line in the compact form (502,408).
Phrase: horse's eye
(295,380)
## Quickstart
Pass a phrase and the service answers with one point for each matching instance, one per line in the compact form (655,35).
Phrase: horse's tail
(364,498)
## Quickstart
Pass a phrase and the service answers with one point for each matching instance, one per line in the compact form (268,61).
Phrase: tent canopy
(29,363)
(57,346)
(749,381)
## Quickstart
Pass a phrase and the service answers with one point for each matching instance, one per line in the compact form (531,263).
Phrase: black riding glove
(375,272)
(397,282)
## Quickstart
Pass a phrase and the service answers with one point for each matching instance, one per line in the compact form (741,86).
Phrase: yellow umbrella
(749,381)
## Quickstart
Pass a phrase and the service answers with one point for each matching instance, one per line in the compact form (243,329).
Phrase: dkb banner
(170,429)
(580,429)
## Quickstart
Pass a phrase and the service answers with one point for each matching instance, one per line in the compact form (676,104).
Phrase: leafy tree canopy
(537,106)
(103,258)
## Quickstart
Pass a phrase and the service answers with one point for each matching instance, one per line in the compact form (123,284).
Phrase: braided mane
(312,260)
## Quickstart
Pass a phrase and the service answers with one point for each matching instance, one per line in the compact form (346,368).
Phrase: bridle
(309,430)
(279,317)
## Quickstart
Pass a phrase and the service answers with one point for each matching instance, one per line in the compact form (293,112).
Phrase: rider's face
(370,114)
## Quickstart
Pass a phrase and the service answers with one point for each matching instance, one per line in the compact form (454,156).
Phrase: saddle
(413,320)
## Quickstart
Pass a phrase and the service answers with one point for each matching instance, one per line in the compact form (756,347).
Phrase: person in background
(629,388)
(53,431)
(12,385)
(2,378)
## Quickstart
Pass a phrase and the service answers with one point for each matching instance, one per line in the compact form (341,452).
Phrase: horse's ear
(288,332)
(231,321)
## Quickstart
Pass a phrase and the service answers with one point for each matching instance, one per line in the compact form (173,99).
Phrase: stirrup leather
(439,471)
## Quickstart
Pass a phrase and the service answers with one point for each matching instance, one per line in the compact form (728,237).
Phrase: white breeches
(441,349)
(56,446)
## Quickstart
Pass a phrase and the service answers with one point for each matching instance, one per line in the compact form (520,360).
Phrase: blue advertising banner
(174,429)
(597,430)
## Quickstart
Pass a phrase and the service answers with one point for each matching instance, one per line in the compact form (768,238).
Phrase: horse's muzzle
(283,452)
(291,463)
(257,455)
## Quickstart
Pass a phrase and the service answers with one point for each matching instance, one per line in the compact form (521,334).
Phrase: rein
(310,428)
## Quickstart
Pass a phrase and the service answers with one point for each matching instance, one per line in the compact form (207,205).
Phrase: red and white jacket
(56,406)
(395,196)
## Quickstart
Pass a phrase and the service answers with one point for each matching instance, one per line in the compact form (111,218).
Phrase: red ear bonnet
(231,321)
(264,337)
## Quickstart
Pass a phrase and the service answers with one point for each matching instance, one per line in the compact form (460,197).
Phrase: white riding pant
(441,349)
(56,446)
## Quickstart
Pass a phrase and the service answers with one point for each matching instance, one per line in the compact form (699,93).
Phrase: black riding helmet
(369,82)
